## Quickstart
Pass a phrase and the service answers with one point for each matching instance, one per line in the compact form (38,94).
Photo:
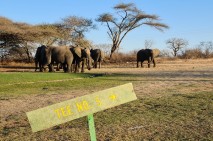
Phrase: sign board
(59,113)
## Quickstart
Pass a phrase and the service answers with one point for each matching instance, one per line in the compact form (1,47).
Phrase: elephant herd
(68,58)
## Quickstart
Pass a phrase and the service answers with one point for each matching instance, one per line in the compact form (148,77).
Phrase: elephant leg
(82,68)
(40,67)
(44,69)
(93,64)
(148,64)
(77,66)
(137,64)
(149,61)
(69,66)
(51,68)
(141,64)
(71,69)
(154,63)
(99,64)
(96,64)
(58,67)
(64,67)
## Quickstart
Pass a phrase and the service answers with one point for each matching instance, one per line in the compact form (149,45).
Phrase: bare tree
(165,53)
(104,47)
(207,48)
(176,44)
(148,44)
(127,18)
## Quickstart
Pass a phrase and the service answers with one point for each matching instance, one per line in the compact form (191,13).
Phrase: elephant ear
(156,52)
(87,51)
(77,51)
(102,54)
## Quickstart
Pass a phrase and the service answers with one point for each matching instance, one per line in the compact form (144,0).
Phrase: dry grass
(175,103)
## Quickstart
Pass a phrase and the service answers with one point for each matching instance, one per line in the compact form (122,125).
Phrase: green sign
(81,106)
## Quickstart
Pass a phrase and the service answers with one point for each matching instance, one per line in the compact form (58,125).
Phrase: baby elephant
(147,55)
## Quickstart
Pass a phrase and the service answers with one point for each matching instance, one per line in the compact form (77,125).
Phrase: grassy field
(175,102)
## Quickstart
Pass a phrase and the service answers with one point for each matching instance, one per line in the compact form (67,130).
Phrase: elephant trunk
(47,61)
(45,66)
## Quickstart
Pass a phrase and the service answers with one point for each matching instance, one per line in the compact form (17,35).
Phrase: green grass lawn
(174,115)
(18,84)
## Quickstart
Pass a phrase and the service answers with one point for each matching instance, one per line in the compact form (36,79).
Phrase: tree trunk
(27,52)
(113,49)
(175,53)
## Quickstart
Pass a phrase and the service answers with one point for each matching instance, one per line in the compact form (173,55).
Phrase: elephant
(59,55)
(38,58)
(147,54)
(98,56)
(81,55)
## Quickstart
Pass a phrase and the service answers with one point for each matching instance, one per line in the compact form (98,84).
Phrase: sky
(188,19)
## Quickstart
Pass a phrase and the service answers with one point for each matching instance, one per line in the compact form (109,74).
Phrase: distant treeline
(18,41)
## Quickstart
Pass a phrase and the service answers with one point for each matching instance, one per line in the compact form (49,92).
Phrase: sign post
(91,127)
(65,111)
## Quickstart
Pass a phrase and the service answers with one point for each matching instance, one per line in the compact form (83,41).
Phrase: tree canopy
(176,44)
(127,18)
(69,31)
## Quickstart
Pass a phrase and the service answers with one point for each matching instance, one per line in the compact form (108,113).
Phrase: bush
(124,57)
(196,53)
(192,53)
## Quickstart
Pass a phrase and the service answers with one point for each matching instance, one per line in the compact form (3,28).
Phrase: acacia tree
(70,31)
(9,34)
(50,33)
(127,18)
(77,27)
(15,35)
(176,44)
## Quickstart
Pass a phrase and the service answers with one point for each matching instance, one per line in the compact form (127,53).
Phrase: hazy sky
(188,19)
